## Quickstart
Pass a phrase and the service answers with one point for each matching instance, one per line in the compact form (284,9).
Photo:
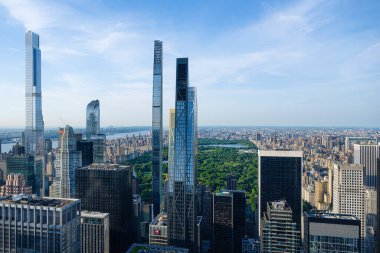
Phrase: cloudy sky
(287,63)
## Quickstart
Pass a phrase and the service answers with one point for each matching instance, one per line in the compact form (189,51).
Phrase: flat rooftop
(36,201)
(105,166)
(146,248)
(280,153)
(279,205)
(327,215)
(91,214)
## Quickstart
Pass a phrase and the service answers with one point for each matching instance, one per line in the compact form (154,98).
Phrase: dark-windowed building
(23,164)
(106,188)
(232,182)
(280,178)
(378,206)
(228,221)
(85,147)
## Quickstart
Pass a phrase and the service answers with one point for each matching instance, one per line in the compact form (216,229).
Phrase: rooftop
(105,166)
(327,215)
(279,205)
(23,199)
(146,248)
(280,153)
(160,220)
(90,214)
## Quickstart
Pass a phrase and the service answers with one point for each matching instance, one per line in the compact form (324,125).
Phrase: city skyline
(252,67)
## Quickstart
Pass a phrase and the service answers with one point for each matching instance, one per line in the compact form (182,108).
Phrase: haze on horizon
(254,63)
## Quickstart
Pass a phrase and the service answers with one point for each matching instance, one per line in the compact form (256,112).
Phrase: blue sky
(307,63)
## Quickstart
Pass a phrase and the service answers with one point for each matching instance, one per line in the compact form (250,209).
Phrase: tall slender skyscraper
(92,119)
(157,128)
(182,207)
(34,124)
(367,155)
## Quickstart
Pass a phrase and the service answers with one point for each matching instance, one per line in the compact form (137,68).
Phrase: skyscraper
(68,159)
(34,124)
(377,230)
(46,225)
(279,232)
(106,188)
(349,193)
(367,155)
(280,178)
(92,119)
(95,227)
(182,182)
(157,128)
(98,148)
(228,221)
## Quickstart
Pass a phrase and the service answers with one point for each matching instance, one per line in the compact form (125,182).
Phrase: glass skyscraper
(92,119)
(157,128)
(34,125)
(182,207)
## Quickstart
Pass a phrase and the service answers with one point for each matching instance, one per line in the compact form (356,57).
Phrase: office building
(18,149)
(367,156)
(182,180)
(22,164)
(330,232)
(349,193)
(95,232)
(280,178)
(106,188)
(86,149)
(24,221)
(137,209)
(232,182)
(146,248)
(15,185)
(228,221)
(67,161)
(158,230)
(34,124)
(279,232)
(157,128)
(98,147)
(92,119)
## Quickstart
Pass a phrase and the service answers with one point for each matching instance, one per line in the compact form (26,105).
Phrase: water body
(5,147)
(226,145)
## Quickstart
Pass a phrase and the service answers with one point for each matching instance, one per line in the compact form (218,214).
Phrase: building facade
(329,232)
(367,155)
(279,232)
(92,119)
(39,225)
(158,230)
(23,164)
(280,178)
(68,160)
(228,221)
(34,123)
(106,188)
(98,147)
(182,181)
(157,129)
(95,232)
(15,185)
(86,149)
(349,193)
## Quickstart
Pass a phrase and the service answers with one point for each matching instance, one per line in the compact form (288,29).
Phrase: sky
(254,63)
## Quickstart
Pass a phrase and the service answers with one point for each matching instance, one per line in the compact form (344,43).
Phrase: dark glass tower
(106,188)
(228,221)
(378,206)
(92,119)
(182,202)
(280,178)
(86,148)
(157,128)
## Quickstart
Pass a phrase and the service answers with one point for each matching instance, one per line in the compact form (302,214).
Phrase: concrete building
(349,193)
(95,230)
(279,232)
(15,185)
(39,225)
(367,156)
(158,230)
(329,232)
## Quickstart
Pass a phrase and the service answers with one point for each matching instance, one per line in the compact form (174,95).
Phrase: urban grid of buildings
(318,188)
